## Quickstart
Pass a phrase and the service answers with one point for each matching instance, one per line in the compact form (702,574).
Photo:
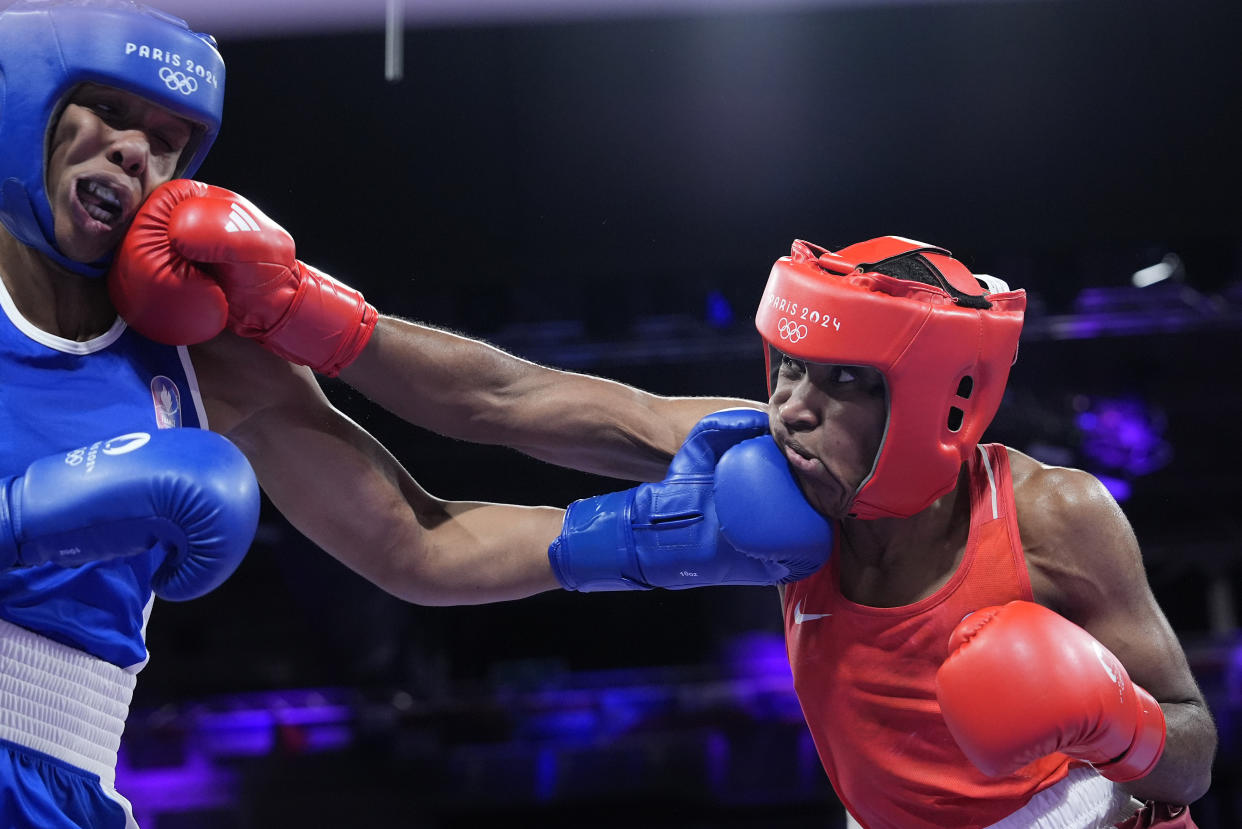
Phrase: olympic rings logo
(790,330)
(178,81)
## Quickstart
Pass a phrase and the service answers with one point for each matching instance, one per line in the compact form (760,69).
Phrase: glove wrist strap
(1147,746)
(326,327)
(595,550)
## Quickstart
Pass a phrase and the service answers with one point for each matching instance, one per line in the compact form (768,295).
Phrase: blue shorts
(40,792)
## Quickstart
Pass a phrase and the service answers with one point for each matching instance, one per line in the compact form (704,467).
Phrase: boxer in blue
(112,489)
(103,501)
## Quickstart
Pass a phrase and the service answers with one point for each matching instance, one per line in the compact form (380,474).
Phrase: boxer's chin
(84,238)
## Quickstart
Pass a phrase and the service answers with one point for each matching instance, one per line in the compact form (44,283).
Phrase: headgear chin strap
(48,47)
(944,350)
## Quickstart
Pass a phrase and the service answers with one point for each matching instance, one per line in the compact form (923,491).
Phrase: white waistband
(62,701)
(1083,800)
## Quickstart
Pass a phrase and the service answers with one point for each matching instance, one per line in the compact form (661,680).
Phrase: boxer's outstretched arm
(1085,564)
(469,390)
(345,492)
(182,275)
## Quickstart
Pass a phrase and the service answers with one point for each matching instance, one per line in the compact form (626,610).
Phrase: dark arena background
(603,186)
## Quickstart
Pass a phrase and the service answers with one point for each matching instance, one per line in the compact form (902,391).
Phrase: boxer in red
(983,648)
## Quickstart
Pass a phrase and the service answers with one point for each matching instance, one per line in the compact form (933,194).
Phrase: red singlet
(865,677)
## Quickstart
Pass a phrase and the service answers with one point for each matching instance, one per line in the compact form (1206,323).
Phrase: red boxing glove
(1022,682)
(198,257)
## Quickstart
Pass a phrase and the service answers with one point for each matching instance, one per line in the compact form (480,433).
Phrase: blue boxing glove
(188,494)
(668,534)
(764,514)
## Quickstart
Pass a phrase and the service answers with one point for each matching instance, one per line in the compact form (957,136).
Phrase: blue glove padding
(187,493)
(764,514)
(667,534)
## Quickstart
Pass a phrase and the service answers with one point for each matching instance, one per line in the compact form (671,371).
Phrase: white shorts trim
(1083,800)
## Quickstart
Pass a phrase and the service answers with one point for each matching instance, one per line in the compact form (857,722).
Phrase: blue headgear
(48,47)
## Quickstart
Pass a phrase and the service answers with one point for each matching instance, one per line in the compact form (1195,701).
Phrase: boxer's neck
(890,562)
(51,297)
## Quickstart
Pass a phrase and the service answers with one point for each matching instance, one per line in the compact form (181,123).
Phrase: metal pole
(394,29)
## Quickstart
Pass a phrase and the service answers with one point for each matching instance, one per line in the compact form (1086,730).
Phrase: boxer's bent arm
(338,486)
(469,390)
(1085,564)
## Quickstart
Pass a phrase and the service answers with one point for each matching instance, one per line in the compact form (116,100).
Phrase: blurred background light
(1169,267)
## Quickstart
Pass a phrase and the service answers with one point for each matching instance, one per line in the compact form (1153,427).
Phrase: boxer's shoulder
(1077,542)
(1058,503)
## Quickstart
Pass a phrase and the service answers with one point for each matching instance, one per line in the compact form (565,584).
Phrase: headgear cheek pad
(944,351)
(48,47)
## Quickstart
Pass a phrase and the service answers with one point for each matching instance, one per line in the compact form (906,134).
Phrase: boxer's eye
(163,144)
(105,106)
(843,374)
(169,136)
(791,367)
(861,378)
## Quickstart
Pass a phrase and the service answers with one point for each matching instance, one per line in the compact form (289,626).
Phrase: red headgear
(944,351)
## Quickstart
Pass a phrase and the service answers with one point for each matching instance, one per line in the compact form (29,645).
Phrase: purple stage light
(1122,438)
